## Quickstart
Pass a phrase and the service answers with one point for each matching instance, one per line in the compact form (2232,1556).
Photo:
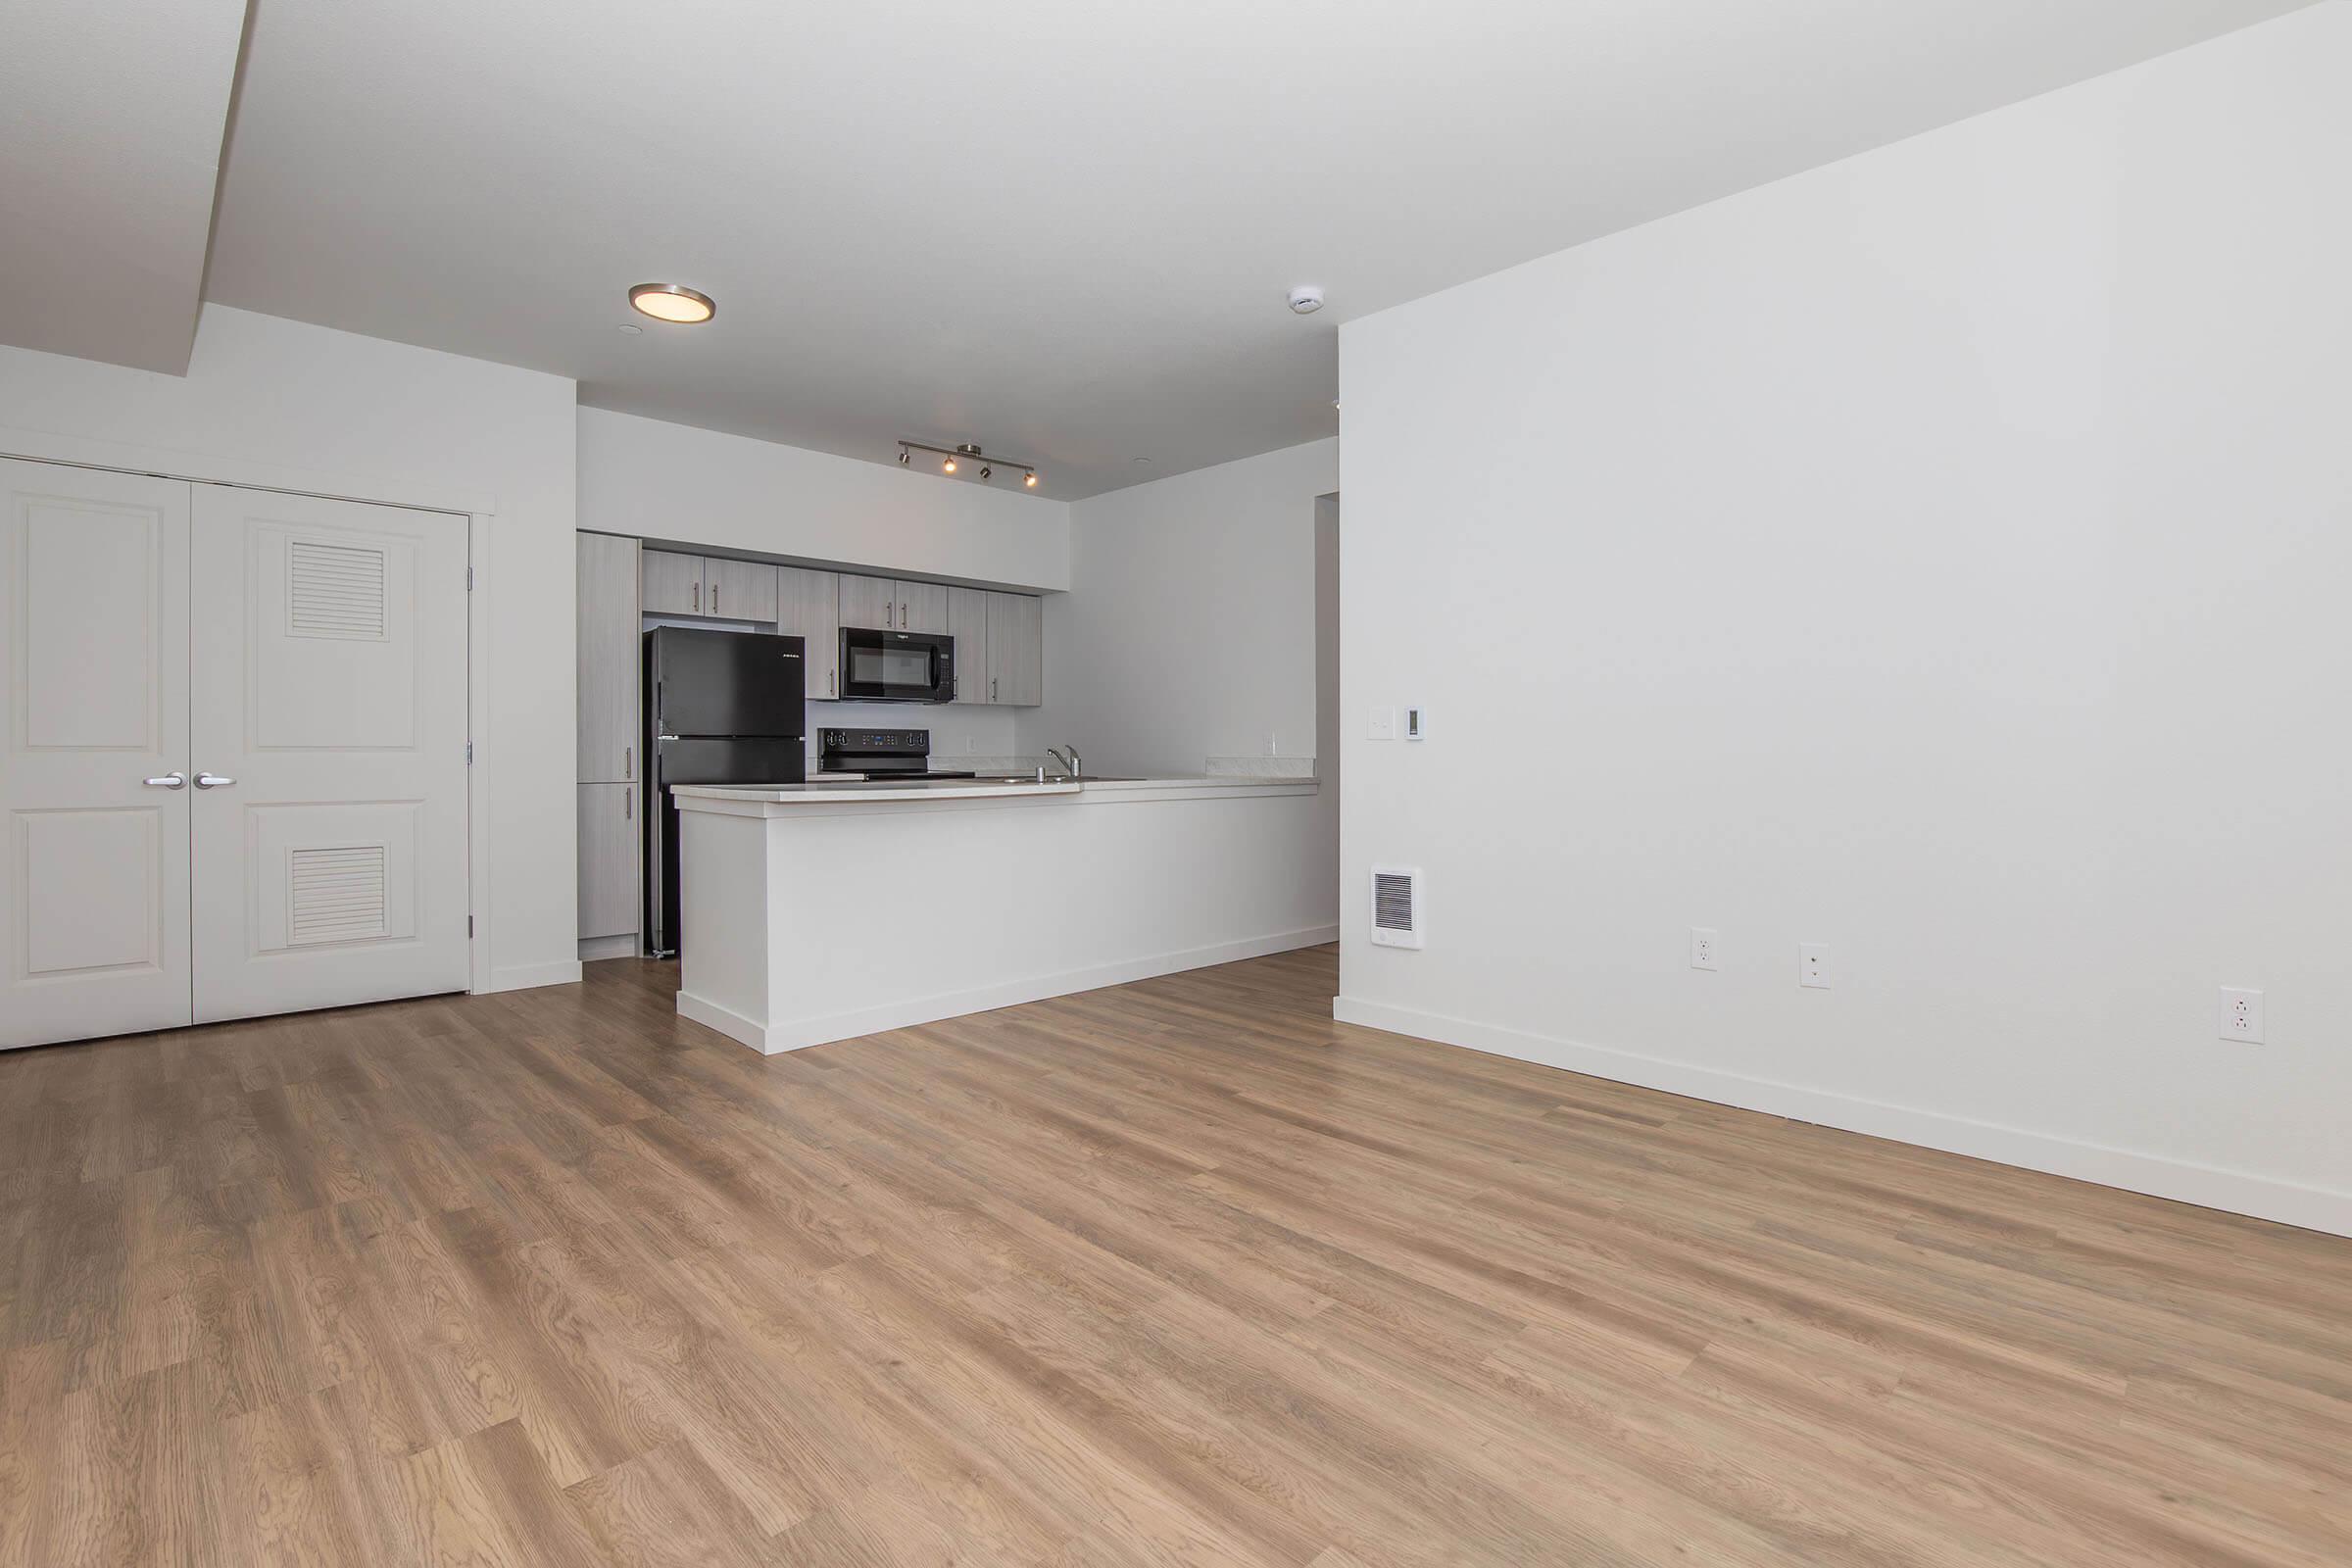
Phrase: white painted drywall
(1943,555)
(276,402)
(115,114)
(1190,629)
(671,481)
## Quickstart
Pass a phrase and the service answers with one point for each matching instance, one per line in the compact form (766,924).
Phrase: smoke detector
(1307,300)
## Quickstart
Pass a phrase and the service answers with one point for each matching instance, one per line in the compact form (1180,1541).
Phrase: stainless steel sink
(1068,778)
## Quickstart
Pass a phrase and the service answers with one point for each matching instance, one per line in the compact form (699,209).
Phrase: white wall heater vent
(1396,906)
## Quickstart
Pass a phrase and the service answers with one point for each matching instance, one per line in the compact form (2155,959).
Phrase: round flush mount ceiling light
(1307,300)
(672,302)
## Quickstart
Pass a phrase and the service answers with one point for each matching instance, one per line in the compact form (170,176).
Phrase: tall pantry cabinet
(611,769)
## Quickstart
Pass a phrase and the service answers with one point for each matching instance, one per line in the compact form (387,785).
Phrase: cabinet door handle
(992,688)
(628,807)
(698,598)
(715,598)
(628,762)
(831,675)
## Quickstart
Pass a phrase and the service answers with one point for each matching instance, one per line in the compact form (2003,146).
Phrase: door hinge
(470,926)
(469,753)
(470,579)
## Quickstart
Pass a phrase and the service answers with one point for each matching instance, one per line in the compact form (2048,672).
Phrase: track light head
(951,459)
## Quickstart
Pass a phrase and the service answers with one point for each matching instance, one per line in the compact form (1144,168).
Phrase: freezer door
(725,682)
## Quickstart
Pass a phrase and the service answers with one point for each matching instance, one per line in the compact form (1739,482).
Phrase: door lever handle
(170,781)
(213,781)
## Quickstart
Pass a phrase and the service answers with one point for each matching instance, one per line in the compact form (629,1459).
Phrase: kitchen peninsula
(822,912)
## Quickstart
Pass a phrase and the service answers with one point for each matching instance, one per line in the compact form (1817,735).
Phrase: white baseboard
(2314,1209)
(594,950)
(796,1034)
(734,1025)
(525,976)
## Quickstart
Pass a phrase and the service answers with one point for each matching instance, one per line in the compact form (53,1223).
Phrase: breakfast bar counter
(830,909)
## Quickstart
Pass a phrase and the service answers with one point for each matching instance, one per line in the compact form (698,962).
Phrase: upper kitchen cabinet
(673,584)
(923,607)
(808,606)
(967,623)
(739,590)
(607,658)
(868,602)
(1017,650)
(893,606)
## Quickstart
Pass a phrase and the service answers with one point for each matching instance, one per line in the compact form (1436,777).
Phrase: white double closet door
(233,724)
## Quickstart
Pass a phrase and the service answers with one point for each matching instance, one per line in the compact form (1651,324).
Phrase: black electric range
(881,754)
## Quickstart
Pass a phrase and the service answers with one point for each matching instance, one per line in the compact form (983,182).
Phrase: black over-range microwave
(897,666)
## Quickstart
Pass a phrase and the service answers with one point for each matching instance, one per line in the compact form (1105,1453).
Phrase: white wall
(1942,555)
(275,402)
(1190,629)
(671,481)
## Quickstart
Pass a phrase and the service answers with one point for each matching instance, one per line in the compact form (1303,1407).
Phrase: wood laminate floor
(1179,1272)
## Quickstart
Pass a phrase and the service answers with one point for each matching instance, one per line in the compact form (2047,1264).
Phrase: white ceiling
(110,143)
(1063,228)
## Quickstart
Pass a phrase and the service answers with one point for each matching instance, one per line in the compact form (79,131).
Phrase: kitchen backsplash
(1262,768)
(958,733)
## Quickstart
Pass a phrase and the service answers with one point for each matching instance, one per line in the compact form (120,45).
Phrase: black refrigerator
(720,707)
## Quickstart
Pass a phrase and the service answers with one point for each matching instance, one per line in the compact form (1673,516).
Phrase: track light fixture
(953,457)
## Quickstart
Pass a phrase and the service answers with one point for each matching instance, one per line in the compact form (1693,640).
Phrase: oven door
(897,666)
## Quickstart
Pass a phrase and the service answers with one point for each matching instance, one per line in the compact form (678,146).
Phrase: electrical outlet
(1813,965)
(2241,1015)
(1384,725)
(1702,949)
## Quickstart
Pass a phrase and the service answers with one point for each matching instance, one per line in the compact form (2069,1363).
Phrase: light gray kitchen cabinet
(923,607)
(1017,650)
(610,832)
(672,584)
(739,590)
(868,602)
(608,659)
(808,606)
(967,623)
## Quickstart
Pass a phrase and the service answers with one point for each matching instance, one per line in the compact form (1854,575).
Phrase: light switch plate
(1416,722)
(1384,723)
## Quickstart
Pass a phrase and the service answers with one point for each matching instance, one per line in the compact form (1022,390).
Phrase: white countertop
(824,789)
(910,789)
